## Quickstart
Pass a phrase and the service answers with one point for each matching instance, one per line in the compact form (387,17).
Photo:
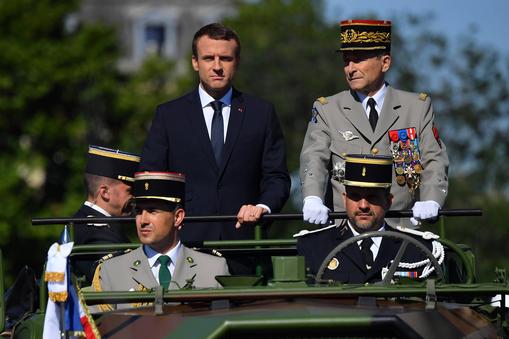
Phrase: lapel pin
(137,263)
(190,260)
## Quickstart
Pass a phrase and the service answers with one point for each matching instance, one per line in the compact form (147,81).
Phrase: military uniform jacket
(340,126)
(350,267)
(91,234)
(131,271)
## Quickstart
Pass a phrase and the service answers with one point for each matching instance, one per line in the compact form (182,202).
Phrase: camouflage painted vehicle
(283,304)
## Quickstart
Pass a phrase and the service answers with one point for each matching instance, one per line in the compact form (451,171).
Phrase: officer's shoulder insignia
(113,255)
(322,100)
(423,96)
(306,232)
(333,264)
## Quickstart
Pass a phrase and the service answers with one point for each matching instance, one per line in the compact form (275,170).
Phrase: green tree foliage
(154,83)
(471,99)
(288,57)
(55,88)
(60,91)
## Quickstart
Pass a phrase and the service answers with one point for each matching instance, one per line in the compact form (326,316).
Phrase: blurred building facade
(162,27)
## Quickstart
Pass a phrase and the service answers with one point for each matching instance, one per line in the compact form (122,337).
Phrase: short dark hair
(93,182)
(216,31)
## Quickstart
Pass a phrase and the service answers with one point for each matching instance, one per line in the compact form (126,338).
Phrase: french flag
(65,299)
(77,318)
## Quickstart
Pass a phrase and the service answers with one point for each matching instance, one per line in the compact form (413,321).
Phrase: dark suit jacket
(351,269)
(89,234)
(86,234)
(252,169)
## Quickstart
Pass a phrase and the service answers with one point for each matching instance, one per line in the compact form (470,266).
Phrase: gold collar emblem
(333,264)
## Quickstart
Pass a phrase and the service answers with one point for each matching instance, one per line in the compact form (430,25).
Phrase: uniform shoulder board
(113,255)
(322,100)
(423,96)
(306,232)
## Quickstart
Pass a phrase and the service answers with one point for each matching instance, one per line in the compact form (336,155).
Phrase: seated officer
(162,259)
(367,198)
(109,176)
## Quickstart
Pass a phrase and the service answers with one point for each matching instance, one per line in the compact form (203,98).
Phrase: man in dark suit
(229,144)
(109,175)
(367,197)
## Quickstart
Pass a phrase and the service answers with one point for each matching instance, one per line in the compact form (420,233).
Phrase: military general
(162,259)
(372,117)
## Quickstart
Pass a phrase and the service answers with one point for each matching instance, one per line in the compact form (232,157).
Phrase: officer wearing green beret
(162,259)
(372,117)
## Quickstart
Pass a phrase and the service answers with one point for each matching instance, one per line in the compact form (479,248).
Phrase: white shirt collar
(97,208)
(379,99)
(153,255)
(377,241)
(206,98)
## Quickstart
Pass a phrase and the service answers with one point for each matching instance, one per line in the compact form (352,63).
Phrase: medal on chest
(406,157)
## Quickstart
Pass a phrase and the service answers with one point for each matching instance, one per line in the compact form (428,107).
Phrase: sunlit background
(77,73)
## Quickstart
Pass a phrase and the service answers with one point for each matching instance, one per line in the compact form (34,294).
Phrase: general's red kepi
(365,35)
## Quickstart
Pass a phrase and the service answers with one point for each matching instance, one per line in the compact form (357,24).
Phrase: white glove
(315,211)
(424,210)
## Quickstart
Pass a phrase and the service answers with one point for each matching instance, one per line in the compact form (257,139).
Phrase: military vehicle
(283,302)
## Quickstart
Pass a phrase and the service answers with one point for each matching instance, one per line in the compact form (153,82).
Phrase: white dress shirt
(97,208)
(153,255)
(208,111)
(379,99)
(377,241)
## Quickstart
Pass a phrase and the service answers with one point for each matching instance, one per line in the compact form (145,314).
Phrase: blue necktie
(217,130)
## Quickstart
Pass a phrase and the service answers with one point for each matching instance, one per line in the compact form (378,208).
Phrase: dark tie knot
(163,259)
(371,103)
(366,244)
(216,105)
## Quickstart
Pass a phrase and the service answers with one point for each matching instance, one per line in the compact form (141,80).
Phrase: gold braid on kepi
(365,35)
(112,163)
(166,186)
(367,170)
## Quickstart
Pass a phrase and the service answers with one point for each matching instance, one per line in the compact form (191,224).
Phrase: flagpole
(64,239)
(63,333)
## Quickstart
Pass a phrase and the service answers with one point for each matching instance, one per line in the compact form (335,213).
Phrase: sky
(450,17)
